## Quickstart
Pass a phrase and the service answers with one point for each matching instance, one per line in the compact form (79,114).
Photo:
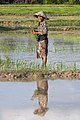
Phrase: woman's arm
(36,33)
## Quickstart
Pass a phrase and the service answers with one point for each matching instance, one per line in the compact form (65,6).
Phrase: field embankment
(39,75)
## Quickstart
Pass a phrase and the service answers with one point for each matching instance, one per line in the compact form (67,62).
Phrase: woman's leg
(44,61)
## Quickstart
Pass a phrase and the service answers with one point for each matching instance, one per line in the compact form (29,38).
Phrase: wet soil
(31,76)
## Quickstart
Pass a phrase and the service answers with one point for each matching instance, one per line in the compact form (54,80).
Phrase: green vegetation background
(42,1)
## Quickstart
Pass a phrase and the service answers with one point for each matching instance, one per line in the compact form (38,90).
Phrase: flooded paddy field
(19,53)
(63,95)
(62,50)
(63,100)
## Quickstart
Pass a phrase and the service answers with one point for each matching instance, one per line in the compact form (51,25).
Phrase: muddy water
(63,100)
(23,48)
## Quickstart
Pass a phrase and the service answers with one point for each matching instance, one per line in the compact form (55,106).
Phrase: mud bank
(31,76)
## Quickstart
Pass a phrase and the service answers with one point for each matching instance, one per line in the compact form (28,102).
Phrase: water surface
(63,100)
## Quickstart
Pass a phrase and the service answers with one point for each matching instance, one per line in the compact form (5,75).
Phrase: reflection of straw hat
(42,14)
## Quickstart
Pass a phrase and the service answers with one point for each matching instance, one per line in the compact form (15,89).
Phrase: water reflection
(41,93)
(66,46)
(7,44)
(17,44)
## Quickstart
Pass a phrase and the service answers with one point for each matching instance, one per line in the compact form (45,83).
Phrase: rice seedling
(59,67)
(24,65)
(64,66)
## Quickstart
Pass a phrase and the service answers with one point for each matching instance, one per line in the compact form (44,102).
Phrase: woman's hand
(36,33)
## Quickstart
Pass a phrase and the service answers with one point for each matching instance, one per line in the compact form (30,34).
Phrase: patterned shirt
(42,28)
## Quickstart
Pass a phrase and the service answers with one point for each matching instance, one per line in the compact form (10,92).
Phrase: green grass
(55,9)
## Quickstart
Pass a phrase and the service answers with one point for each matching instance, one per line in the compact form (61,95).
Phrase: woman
(42,41)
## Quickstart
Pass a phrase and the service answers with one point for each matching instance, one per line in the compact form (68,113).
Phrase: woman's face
(40,19)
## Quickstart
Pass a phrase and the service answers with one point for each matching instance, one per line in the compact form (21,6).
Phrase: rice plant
(24,65)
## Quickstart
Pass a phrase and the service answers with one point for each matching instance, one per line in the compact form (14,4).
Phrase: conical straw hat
(42,14)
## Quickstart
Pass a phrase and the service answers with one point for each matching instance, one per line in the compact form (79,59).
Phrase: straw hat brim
(41,14)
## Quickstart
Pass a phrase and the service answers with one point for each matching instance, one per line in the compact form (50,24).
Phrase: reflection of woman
(42,94)
(42,41)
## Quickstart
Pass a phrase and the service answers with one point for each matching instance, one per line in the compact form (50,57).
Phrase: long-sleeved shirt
(42,28)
